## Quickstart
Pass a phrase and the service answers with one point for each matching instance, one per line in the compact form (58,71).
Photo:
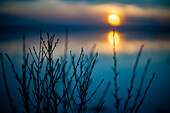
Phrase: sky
(84,12)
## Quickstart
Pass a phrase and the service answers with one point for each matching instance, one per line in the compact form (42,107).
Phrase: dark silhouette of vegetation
(139,97)
(44,72)
(115,94)
(6,84)
(47,74)
(132,79)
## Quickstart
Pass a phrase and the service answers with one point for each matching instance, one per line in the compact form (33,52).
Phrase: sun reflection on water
(116,38)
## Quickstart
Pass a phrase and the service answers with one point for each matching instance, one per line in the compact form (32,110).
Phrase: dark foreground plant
(45,74)
(130,107)
(46,84)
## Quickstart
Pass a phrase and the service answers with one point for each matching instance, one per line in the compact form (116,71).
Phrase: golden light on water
(114,19)
(116,38)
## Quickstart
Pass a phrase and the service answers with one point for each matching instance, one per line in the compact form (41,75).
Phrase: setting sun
(116,37)
(114,19)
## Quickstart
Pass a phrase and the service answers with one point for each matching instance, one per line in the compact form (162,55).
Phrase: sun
(114,19)
(116,38)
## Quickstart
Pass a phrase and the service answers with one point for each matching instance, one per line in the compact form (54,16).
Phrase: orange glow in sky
(114,19)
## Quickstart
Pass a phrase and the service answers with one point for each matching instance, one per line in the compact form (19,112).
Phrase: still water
(128,40)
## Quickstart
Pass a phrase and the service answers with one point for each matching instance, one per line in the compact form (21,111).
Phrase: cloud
(53,11)
(8,19)
(2,1)
(143,3)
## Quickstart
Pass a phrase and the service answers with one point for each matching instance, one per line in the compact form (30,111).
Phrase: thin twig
(129,91)
(143,97)
(6,84)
